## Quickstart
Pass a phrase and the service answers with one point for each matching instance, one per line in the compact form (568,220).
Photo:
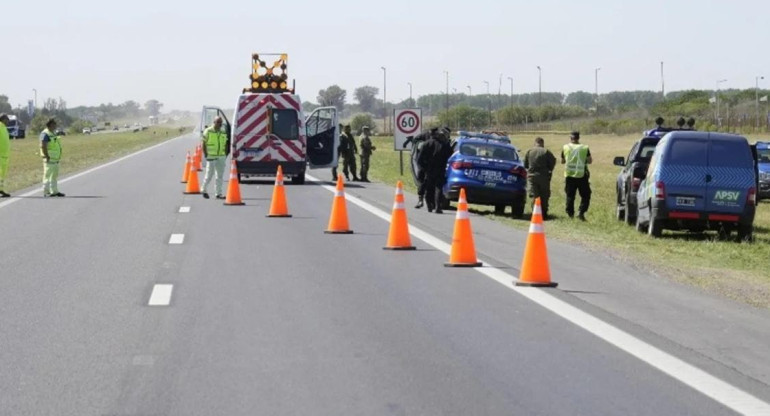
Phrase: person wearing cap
(366,153)
(215,145)
(340,151)
(51,151)
(539,163)
(576,157)
(350,150)
(5,153)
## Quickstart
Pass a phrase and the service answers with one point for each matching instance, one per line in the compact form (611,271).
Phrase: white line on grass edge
(86,172)
(718,390)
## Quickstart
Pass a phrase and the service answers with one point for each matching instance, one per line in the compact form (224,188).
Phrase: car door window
(632,154)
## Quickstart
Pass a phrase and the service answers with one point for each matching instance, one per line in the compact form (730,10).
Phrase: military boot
(420,202)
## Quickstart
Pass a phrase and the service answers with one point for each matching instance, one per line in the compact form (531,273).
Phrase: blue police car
(699,181)
(763,167)
(488,166)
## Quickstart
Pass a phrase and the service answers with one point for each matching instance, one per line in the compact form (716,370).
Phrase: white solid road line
(184,210)
(86,172)
(176,239)
(714,388)
(161,295)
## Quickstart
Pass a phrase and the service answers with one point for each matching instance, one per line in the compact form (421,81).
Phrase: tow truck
(268,128)
(15,129)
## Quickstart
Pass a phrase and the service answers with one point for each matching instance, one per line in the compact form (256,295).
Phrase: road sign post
(407,122)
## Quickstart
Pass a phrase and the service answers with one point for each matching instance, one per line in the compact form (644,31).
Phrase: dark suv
(635,168)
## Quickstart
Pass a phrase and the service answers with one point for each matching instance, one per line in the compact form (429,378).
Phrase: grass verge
(738,271)
(79,151)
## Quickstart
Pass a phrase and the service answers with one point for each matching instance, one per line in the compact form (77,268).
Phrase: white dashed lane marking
(176,239)
(161,295)
(184,210)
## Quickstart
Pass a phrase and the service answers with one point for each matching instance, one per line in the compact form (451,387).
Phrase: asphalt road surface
(246,315)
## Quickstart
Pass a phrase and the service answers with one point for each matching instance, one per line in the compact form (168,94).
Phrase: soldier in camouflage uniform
(349,153)
(539,163)
(366,152)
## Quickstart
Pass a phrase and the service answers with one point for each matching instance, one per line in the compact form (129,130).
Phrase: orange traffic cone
(398,236)
(197,158)
(338,221)
(463,252)
(186,173)
(233,189)
(278,206)
(193,186)
(534,266)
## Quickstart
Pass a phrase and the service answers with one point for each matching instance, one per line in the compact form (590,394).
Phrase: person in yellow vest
(576,157)
(50,150)
(215,150)
(5,153)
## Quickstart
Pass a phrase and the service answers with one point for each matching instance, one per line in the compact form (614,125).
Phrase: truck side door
(208,114)
(323,137)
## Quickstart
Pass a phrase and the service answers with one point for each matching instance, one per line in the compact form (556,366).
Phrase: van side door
(208,114)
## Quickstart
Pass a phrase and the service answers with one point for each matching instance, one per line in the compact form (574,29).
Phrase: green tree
(153,107)
(366,97)
(332,96)
(5,106)
(360,120)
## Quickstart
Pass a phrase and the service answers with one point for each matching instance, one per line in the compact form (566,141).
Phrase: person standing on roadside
(539,163)
(349,164)
(419,142)
(5,153)
(366,152)
(576,157)
(51,151)
(215,142)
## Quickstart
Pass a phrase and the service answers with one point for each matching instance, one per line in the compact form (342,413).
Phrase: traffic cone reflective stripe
(338,220)
(278,206)
(534,266)
(193,186)
(398,236)
(463,252)
(233,188)
(186,173)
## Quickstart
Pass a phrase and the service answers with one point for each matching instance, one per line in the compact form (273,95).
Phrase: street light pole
(384,99)
(596,86)
(511,79)
(447,90)
(662,84)
(756,91)
(35,91)
(489,104)
(716,97)
(539,86)
(410,93)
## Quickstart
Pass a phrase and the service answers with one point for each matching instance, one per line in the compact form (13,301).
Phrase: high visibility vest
(576,156)
(216,142)
(54,146)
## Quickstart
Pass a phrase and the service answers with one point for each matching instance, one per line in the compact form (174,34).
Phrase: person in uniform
(576,157)
(340,151)
(51,151)
(215,149)
(351,150)
(5,153)
(539,163)
(420,141)
(433,158)
(366,153)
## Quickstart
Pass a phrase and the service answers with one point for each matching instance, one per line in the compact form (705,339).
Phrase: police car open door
(323,137)
(208,114)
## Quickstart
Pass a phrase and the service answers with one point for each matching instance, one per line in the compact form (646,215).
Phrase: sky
(193,53)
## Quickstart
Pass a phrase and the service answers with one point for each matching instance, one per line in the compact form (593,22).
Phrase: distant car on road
(763,167)
(488,166)
(116,128)
(699,181)
(86,130)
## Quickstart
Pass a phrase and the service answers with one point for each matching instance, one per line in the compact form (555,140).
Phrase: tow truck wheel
(298,179)
(240,179)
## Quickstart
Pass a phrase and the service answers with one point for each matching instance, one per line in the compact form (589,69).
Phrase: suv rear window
(687,152)
(488,151)
(284,124)
(730,153)
(763,155)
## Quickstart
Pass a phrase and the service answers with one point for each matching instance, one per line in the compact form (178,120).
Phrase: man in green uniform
(340,151)
(576,157)
(5,153)
(349,153)
(215,150)
(539,163)
(366,153)
(50,150)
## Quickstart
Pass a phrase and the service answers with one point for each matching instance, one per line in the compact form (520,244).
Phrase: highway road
(246,315)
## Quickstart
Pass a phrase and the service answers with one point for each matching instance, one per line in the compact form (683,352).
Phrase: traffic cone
(463,252)
(193,186)
(534,267)
(338,221)
(278,206)
(233,189)
(398,236)
(186,173)
(197,158)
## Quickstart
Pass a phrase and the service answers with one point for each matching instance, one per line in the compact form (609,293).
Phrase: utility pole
(35,91)
(410,94)
(596,86)
(539,86)
(384,99)
(716,97)
(662,83)
(756,91)
(511,79)
(447,91)
(489,104)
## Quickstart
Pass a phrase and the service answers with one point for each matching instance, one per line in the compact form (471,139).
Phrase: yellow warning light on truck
(269,79)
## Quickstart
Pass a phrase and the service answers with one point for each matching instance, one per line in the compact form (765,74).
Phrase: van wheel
(298,179)
(654,229)
(745,233)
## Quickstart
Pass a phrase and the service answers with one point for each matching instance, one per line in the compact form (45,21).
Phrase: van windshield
(285,124)
(763,155)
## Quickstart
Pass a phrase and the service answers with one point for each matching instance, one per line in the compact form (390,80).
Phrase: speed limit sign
(408,122)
